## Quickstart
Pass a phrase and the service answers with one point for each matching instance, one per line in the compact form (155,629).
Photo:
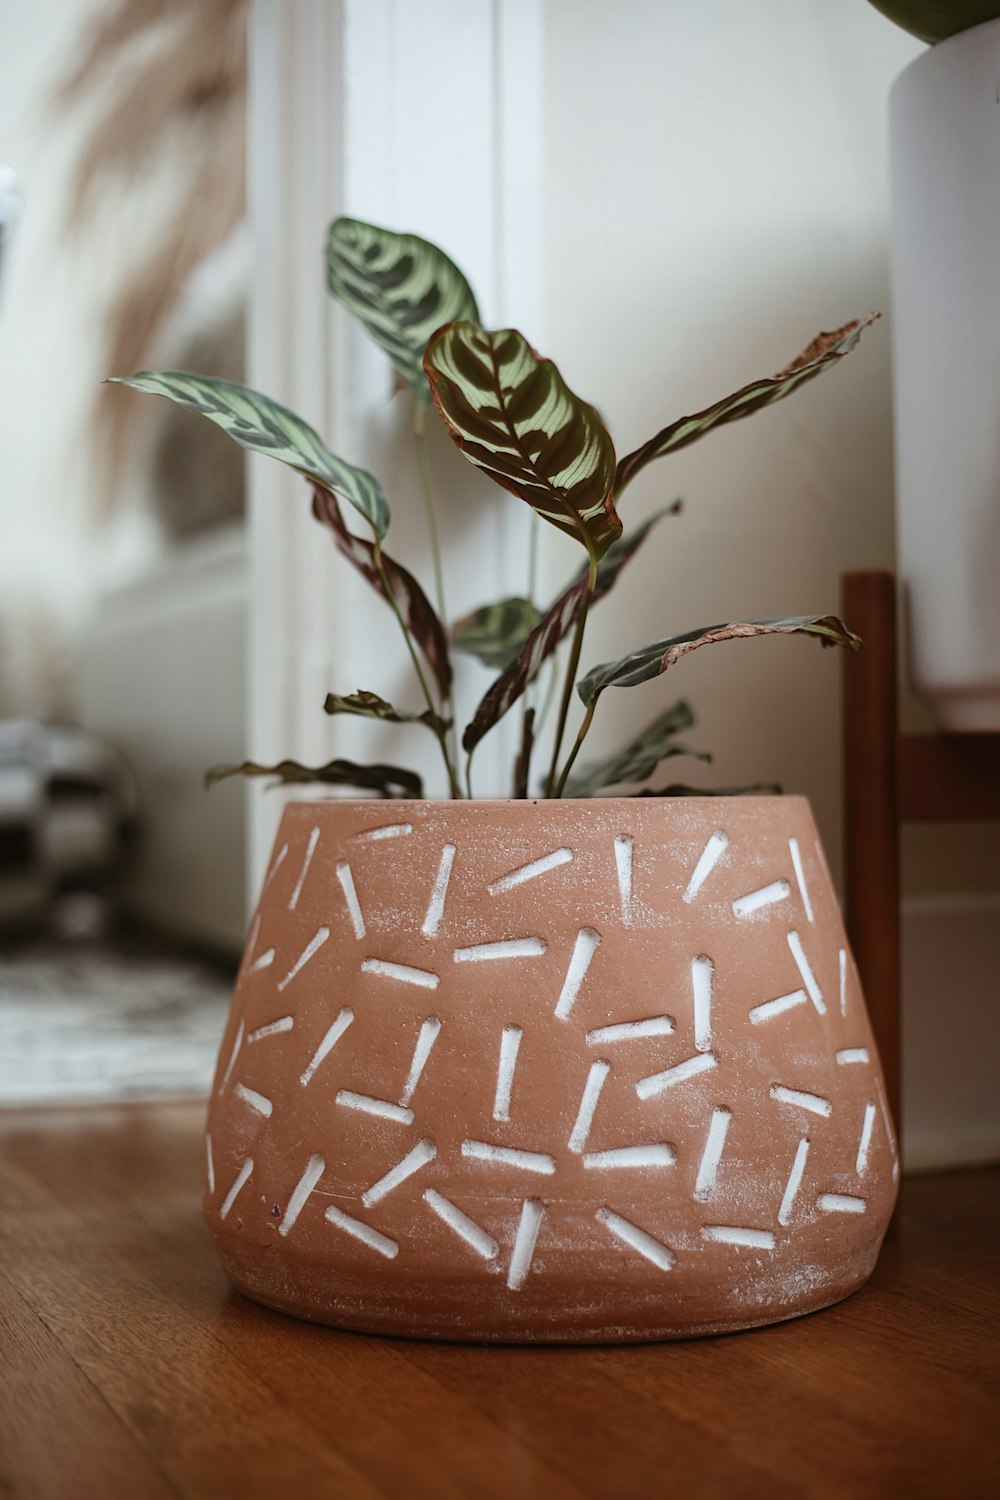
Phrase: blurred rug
(82,1022)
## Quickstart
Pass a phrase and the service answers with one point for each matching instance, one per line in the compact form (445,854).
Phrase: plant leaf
(370,706)
(401,287)
(678,789)
(825,350)
(546,636)
(411,601)
(495,634)
(649,661)
(262,426)
(514,417)
(377,778)
(640,757)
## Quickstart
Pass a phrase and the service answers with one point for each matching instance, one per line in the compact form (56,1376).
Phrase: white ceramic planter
(945,151)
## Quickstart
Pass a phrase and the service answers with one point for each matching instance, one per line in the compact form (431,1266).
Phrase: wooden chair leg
(871,825)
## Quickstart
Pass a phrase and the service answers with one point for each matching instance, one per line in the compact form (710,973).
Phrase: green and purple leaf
(647,662)
(401,287)
(388,781)
(410,599)
(367,705)
(513,416)
(640,757)
(262,426)
(495,634)
(825,350)
(556,624)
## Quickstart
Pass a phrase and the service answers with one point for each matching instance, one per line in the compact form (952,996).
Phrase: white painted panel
(425,118)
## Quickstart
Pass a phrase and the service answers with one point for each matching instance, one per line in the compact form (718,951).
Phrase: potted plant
(562,1066)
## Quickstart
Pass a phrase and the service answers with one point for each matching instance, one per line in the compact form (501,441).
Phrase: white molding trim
(425,117)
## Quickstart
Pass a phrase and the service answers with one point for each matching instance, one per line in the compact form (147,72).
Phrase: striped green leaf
(401,287)
(825,350)
(559,620)
(395,584)
(649,661)
(495,634)
(367,705)
(388,781)
(513,416)
(262,426)
(640,757)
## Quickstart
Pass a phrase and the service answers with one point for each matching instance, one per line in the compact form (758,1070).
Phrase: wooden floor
(128,1369)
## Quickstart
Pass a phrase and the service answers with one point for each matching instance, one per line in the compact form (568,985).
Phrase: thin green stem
(528,697)
(427,488)
(456,790)
(423,460)
(570,678)
(580,737)
(468,776)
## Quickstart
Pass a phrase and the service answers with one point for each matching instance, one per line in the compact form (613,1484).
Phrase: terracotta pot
(548,1071)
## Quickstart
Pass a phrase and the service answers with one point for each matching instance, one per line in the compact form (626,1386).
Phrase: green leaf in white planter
(640,757)
(401,287)
(649,661)
(513,416)
(262,426)
(825,350)
(367,705)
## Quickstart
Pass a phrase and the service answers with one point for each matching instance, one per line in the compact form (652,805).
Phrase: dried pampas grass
(164,86)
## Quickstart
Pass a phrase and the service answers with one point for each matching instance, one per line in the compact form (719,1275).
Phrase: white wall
(722,182)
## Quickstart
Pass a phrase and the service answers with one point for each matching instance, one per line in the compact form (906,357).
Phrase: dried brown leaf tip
(824,342)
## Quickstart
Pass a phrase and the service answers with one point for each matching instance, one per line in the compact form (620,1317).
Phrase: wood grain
(129,1368)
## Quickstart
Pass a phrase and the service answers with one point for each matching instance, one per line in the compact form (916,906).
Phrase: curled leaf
(388,781)
(825,350)
(495,634)
(513,416)
(367,705)
(401,287)
(262,426)
(649,661)
(640,757)
(410,599)
(557,623)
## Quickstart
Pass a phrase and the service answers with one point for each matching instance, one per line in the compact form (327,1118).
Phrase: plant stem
(581,736)
(528,696)
(423,459)
(571,668)
(456,790)
(426,485)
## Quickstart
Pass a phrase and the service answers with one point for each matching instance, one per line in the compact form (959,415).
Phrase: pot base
(596,1314)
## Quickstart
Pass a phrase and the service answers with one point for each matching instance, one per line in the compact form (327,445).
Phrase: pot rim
(779,799)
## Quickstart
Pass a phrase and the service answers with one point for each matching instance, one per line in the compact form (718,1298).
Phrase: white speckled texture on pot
(564,1071)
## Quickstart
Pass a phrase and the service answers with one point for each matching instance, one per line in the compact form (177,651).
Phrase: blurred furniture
(889,779)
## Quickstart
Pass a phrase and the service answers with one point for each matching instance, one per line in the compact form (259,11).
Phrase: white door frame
(423,116)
